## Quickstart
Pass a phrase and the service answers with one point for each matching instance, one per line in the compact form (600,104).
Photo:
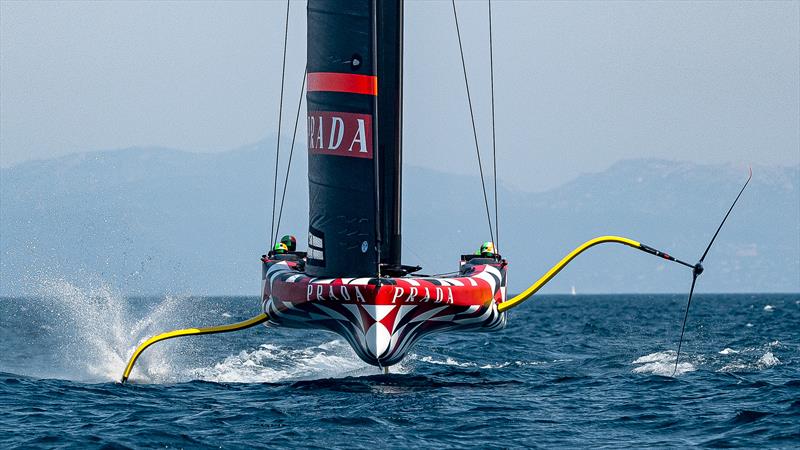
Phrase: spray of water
(747,359)
(97,329)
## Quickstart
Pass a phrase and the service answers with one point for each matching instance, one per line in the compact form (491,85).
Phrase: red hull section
(382,318)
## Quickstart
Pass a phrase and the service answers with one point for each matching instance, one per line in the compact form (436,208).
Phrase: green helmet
(280,247)
(487,248)
(290,242)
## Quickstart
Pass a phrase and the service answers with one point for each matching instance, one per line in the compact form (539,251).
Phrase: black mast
(389,19)
(354,142)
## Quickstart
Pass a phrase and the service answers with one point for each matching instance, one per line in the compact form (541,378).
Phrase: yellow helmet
(290,241)
(487,248)
(280,247)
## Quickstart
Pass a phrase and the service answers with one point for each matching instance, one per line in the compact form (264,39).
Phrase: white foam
(734,367)
(267,364)
(655,357)
(274,364)
(746,362)
(448,361)
(767,360)
(662,363)
(728,351)
(769,308)
(496,366)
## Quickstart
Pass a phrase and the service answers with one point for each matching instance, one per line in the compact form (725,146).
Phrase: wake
(97,329)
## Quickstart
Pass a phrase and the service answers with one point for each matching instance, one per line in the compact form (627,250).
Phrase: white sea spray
(98,332)
(662,363)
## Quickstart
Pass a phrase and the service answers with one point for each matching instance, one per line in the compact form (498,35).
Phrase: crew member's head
(280,248)
(487,249)
(290,242)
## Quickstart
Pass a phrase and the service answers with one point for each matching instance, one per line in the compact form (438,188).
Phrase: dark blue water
(569,371)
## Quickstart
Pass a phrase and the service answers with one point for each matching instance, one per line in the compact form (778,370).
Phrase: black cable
(272,236)
(750,177)
(472,117)
(442,274)
(685,317)
(697,269)
(291,153)
(494,144)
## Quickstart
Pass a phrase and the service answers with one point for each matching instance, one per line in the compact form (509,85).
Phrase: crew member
(290,242)
(487,249)
(280,248)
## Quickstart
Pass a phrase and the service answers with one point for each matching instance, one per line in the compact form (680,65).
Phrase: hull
(382,318)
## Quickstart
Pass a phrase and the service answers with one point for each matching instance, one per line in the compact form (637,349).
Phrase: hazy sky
(578,85)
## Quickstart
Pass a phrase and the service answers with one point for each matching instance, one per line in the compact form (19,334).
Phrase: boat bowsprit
(382,317)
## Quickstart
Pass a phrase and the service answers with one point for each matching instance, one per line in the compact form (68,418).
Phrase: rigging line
(291,151)
(280,117)
(419,258)
(472,117)
(494,145)
(444,274)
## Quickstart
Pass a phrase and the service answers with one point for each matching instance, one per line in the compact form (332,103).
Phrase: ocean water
(568,371)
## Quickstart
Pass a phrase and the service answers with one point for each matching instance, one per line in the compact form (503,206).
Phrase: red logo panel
(340,134)
(349,83)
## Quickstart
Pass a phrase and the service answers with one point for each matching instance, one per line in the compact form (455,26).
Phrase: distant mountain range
(152,220)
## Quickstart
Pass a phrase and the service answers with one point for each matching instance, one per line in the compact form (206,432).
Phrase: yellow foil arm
(512,302)
(261,318)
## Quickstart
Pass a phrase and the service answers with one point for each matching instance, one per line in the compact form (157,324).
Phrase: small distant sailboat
(351,280)
(572,290)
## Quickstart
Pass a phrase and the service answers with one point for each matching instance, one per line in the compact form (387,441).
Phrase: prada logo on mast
(340,134)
